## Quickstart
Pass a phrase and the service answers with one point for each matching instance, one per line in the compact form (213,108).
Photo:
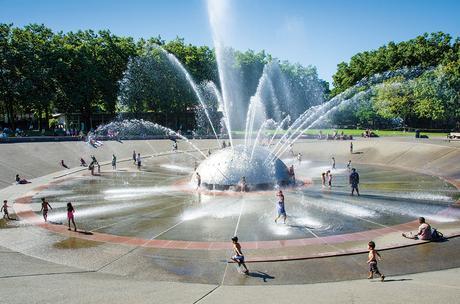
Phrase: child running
(5,210)
(70,212)
(44,209)
(372,261)
(280,207)
(238,257)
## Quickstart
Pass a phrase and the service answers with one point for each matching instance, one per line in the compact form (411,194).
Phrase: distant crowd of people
(334,136)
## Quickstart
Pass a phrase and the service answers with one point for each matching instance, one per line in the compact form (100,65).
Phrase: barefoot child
(238,257)
(44,209)
(70,212)
(280,207)
(372,261)
(5,210)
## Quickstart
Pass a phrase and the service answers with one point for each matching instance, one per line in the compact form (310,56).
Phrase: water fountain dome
(224,169)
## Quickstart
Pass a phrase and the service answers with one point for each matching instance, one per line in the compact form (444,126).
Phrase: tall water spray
(218,13)
(192,83)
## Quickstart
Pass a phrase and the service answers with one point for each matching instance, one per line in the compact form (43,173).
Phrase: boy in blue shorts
(238,257)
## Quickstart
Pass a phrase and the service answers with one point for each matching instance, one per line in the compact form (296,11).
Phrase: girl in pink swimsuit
(70,211)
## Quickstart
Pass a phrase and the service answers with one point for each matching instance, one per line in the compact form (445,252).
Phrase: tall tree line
(44,72)
(431,100)
(84,72)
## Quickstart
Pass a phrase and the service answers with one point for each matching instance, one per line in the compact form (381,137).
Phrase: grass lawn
(358,132)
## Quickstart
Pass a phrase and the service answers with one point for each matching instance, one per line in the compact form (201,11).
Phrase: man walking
(354,181)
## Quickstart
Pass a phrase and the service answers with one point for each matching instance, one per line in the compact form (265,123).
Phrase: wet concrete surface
(159,205)
(390,196)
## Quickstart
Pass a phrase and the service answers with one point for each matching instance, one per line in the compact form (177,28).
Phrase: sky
(321,33)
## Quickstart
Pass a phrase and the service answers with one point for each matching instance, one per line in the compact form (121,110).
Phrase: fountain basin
(224,169)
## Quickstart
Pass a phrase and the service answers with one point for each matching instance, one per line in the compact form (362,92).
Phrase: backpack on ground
(436,236)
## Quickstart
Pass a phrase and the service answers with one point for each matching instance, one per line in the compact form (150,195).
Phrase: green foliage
(431,99)
(427,50)
(42,71)
(394,98)
(86,72)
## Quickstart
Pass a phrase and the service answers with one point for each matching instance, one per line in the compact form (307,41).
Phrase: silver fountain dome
(224,169)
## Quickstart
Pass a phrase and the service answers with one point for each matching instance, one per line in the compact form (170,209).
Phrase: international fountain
(161,201)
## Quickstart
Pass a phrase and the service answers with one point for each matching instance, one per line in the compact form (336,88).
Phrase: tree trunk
(10,114)
(40,120)
(47,118)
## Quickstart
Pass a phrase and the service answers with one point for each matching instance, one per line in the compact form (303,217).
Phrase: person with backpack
(424,231)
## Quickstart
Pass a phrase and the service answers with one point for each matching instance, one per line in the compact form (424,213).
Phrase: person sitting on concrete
(82,162)
(21,180)
(424,231)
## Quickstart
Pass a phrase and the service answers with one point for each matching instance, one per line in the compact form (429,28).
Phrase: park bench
(453,136)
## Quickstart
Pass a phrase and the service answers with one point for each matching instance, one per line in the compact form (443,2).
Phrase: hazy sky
(321,33)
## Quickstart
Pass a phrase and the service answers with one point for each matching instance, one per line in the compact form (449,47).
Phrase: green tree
(10,77)
(427,50)
(395,98)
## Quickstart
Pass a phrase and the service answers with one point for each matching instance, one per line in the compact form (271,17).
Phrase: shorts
(45,211)
(373,267)
(238,258)
(69,215)
(282,212)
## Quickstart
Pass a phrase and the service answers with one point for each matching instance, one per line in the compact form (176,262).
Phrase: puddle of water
(75,243)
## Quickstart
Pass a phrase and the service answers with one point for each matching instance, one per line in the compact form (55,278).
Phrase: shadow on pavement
(396,280)
(262,275)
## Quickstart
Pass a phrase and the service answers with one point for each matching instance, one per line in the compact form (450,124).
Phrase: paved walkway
(47,283)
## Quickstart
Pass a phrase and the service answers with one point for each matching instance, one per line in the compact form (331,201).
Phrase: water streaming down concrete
(224,169)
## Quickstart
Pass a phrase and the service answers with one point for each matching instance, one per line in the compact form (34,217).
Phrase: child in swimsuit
(5,210)
(44,209)
(280,207)
(372,261)
(238,257)
(70,212)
